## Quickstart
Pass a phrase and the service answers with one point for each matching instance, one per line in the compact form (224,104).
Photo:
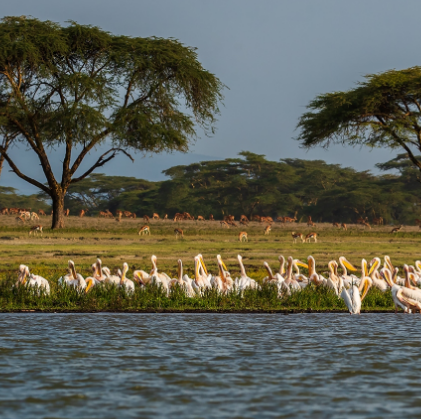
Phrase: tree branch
(101,161)
(20,174)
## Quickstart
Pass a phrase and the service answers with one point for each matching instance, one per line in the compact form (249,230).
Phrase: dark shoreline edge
(169,311)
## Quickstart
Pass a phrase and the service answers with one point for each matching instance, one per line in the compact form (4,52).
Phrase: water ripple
(209,366)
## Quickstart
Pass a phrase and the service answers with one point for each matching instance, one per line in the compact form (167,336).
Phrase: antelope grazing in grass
(396,229)
(242,237)
(34,216)
(178,233)
(244,222)
(267,229)
(166,217)
(155,216)
(310,222)
(67,212)
(211,218)
(144,230)
(21,218)
(224,224)
(82,213)
(146,218)
(200,218)
(296,236)
(310,236)
(36,229)
(42,212)
(343,226)
(365,224)
(244,218)
(336,225)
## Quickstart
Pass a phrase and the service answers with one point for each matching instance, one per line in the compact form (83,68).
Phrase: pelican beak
(203,265)
(299,263)
(223,265)
(366,288)
(412,278)
(196,268)
(373,267)
(73,269)
(349,266)
(89,285)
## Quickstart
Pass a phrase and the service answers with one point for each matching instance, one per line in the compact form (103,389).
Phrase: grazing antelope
(378,221)
(310,236)
(5,211)
(21,218)
(67,212)
(267,229)
(343,226)
(178,232)
(34,216)
(229,218)
(36,229)
(146,218)
(82,213)
(118,219)
(41,212)
(296,236)
(103,214)
(362,220)
(242,237)
(231,223)
(224,224)
(310,222)
(289,219)
(166,217)
(211,218)
(336,225)
(200,218)
(244,222)
(397,229)
(266,219)
(244,218)
(155,216)
(365,224)
(25,214)
(144,230)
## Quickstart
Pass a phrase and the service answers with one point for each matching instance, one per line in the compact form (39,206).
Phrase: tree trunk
(58,210)
(1,163)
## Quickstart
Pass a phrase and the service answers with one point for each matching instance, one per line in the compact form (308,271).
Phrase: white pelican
(353,297)
(159,278)
(223,282)
(110,279)
(244,281)
(300,278)
(183,281)
(373,273)
(200,281)
(73,279)
(403,297)
(30,280)
(347,279)
(204,272)
(126,283)
(97,272)
(281,265)
(276,279)
(290,282)
(313,276)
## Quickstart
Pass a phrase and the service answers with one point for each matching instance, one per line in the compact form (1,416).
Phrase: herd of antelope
(228,221)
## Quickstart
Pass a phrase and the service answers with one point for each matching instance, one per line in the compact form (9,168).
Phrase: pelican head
(374,265)
(89,283)
(347,265)
(72,269)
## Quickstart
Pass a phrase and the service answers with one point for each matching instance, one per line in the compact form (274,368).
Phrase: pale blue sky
(274,55)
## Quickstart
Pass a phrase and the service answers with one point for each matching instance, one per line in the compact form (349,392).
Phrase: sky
(274,56)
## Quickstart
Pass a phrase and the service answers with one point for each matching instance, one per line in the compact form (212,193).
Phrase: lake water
(209,366)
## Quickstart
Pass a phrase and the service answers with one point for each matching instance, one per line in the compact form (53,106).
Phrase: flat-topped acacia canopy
(382,111)
(80,86)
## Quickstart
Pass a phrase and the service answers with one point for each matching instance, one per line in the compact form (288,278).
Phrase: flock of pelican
(351,288)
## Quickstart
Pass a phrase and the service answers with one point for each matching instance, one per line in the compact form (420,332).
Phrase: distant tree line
(252,185)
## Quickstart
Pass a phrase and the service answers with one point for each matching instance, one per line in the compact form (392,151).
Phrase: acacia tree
(382,111)
(79,86)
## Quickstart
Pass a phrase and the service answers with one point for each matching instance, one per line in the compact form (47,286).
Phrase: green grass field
(83,240)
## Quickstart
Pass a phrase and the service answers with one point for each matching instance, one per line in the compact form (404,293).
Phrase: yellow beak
(349,266)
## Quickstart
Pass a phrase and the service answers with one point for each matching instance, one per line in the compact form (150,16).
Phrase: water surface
(209,366)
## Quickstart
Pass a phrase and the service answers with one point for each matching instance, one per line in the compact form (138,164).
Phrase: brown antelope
(231,223)
(224,224)
(365,224)
(397,229)
(362,220)
(242,237)
(4,211)
(20,219)
(82,213)
(146,218)
(103,214)
(267,229)
(211,218)
(343,226)
(244,218)
(336,225)
(244,222)
(200,218)
(378,221)
(67,212)
(34,216)
(256,218)
(310,236)
(41,212)
(229,218)
(166,217)
(155,216)
(144,230)
(296,236)
(266,219)
(178,232)
(35,229)
(118,212)
(310,222)
(289,219)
